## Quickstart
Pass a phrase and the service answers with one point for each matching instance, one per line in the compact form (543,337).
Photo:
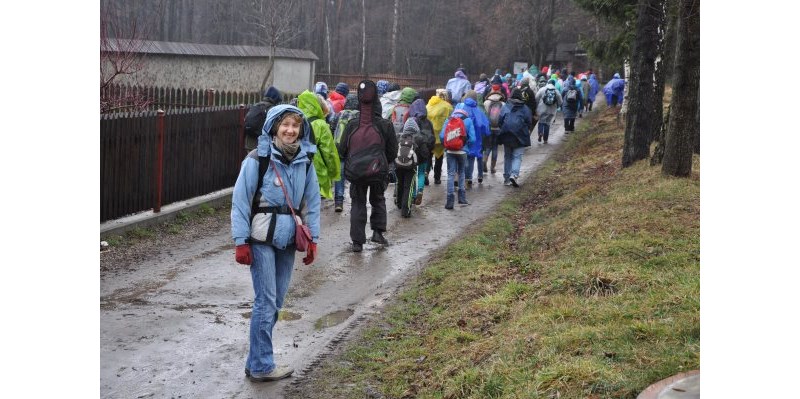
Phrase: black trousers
(358,210)
(437,168)
(569,124)
(404,180)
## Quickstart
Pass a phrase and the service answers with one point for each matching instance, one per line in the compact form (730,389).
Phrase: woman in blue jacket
(263,227)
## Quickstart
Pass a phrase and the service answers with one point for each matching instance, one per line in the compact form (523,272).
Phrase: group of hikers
(301,153)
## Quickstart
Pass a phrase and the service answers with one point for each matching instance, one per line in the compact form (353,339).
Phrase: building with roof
(220,67)
(568,55)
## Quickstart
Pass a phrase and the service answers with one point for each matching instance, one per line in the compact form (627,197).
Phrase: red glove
(311,253)
(243,254)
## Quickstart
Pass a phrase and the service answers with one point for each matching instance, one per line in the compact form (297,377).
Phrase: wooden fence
(153,158)
(126,98)
(193,148)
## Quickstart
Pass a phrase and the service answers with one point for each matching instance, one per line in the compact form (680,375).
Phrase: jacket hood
(382,85)
(418,109)
(471,94)
(497,80)
(273,94)
(351,102)
(516,95)
(274,115)
(368,100)
(496,96)
(470,102)
(392,87)
(411,126)
(307,102)
(616,76)
(551,84)
(407,95)
(434,100)
(459,74)
(592,77)
(342,88)
(321,88)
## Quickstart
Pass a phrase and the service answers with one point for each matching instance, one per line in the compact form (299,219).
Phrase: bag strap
(285,194)
(263,164)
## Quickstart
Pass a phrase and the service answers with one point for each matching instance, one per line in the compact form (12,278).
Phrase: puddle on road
(288,316)
(332,319)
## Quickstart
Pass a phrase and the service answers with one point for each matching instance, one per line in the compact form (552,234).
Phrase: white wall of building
(221,73)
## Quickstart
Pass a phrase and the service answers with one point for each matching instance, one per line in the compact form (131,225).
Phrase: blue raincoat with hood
(479,122)
(298,177)
(614,87)
(594,87)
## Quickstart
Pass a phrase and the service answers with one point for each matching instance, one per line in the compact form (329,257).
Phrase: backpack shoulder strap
(263,164)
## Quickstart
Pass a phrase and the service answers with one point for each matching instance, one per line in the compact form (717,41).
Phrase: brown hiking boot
(276,374)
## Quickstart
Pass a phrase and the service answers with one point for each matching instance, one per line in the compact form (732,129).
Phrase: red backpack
(455,132)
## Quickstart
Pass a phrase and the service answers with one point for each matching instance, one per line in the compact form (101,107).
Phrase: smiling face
(289,128)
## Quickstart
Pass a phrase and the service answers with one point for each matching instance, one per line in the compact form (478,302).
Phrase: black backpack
(255,118)
(366,161)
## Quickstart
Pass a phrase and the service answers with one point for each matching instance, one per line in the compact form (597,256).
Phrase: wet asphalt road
(177,324)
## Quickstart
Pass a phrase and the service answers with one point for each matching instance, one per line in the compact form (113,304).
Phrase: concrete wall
(221,73)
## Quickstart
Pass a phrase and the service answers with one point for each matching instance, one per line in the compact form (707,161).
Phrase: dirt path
(175,311)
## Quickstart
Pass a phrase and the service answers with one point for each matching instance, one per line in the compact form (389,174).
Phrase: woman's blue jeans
(456,164)
(471,166)
(338,187)
(512,159)
(271,271)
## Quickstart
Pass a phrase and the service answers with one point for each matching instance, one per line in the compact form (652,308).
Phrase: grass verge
(585,284)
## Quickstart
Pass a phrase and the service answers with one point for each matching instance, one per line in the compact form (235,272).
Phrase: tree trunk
(661,66)
(658,152)
(697,124)
(363,35)
(396,18)
(328,42)
(683,125)
(640,124)
(270,64)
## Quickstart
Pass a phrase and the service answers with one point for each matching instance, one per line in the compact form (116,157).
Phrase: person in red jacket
(338,97)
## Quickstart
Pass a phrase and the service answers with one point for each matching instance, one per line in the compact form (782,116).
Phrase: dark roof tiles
(214,50)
